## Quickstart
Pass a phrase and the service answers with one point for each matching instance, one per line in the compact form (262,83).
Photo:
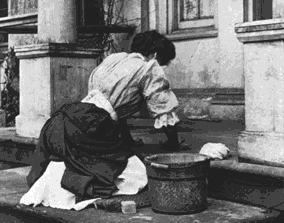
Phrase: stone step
(15,149)
(10,165)
(246,183)
(229,179)
(13,186)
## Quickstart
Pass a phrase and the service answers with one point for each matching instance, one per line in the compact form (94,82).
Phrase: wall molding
(220,96)
(56,50)
(18,20)
(257,31)
(193,33)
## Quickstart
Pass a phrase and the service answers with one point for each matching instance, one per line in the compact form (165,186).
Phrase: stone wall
(17,8)
(213,63)
(204,67)
(20,7)
(208,64)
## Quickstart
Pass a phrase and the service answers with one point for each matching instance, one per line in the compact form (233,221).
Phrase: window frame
(190,29)
(249,14)
(192,23)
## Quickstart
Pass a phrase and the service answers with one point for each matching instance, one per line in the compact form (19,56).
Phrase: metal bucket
(178,182)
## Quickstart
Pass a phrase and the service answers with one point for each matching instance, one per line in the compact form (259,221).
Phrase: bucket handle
(157,165)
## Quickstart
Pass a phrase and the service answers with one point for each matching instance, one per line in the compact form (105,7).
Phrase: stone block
(19,7)
(262,147)
(194,106)
(128,207)
(227,112)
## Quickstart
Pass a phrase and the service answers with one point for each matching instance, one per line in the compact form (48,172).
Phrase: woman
(84,147)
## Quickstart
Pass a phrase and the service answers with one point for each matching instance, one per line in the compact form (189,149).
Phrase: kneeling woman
(85,147)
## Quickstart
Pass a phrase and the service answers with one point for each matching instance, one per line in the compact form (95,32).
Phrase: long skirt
(88,141)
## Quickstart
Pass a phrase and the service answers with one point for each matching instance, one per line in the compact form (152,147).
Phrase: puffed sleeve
(160,99)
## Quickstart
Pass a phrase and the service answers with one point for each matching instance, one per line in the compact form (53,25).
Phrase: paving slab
(13,186)
(13,183)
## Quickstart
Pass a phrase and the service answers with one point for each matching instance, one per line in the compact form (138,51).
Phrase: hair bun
(151,42)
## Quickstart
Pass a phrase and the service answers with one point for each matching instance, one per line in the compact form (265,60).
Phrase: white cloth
(47,189)
(215,150)
(134,177)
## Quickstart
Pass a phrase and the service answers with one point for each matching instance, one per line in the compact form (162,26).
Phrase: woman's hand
(182,146)
(172,144)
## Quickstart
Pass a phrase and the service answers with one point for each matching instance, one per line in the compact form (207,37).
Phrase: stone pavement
(13,186)
(257,185)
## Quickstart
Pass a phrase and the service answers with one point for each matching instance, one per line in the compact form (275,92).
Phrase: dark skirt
(88,141)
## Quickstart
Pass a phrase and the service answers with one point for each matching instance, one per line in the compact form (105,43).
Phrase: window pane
(92,12)
(262,9)
(3,8)
(206,8)
(196,9)
(188,9)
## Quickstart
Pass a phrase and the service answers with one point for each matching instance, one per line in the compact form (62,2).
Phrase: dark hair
(151,42)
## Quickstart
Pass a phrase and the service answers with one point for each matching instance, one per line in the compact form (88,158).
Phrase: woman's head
(152,42)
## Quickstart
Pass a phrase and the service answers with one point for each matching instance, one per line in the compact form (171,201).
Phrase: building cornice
(56,50)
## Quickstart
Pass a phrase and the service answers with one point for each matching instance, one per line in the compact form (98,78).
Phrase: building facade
(228,65)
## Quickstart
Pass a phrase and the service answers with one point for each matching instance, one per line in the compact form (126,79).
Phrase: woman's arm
(161,103)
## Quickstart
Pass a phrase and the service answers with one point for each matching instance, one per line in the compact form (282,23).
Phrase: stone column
(57,21)
(263,140)
(54,71)
(2,112)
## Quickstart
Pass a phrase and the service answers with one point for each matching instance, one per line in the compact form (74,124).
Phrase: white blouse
(125,80)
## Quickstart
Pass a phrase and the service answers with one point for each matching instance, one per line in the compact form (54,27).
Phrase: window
(255,10)
(3,8)
(262,9)
(191,19)
(195,13)
(90,12)
(3,13)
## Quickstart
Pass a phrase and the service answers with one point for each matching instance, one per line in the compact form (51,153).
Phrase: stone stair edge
(249,168)
(9,134)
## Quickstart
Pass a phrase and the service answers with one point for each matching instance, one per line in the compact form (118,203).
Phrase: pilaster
(51,74)
(263,140)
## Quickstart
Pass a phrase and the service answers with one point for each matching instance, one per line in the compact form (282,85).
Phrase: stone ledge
(18,20)
(9,134)
(256,147)
(56,50)
(15,149)
(263,30)
(185,91)
(194,33)
(240,182)
(265,171)
(220,96)
(261,25)
(247,188)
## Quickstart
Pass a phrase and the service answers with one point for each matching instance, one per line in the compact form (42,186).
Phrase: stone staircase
(229,179)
